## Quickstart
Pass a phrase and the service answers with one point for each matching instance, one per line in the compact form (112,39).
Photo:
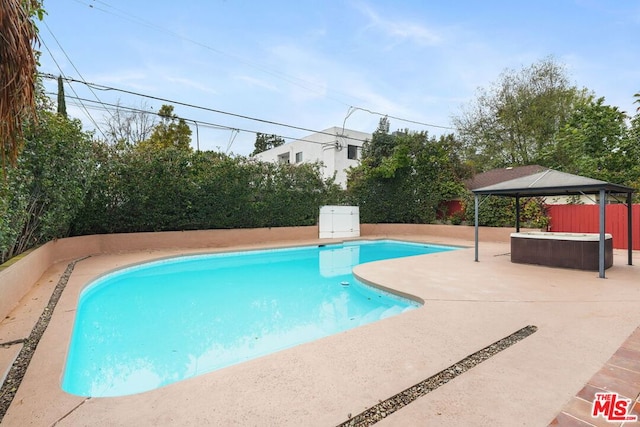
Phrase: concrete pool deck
(581,322)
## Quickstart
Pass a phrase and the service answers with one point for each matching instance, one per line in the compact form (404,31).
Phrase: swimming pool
(147,326)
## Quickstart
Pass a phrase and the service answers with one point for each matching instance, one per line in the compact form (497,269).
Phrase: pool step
(381,313)
(391,311)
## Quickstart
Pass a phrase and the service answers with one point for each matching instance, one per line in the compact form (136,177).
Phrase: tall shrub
(44,191)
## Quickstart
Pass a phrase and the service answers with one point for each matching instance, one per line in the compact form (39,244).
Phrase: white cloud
(132,79)
(400,30)
(253,81)
(193,84)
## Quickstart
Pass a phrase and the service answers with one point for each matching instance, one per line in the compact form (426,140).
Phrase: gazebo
(555,183)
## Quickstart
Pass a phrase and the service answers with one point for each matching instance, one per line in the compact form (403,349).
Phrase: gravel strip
(20,365)
(394,403)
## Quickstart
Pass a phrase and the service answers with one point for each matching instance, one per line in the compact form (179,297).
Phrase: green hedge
(172,189)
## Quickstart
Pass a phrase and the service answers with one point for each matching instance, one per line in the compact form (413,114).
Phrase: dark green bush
(171,189)
(497,211)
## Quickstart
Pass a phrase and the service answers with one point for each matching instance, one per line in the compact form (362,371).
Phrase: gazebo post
(602,233)
(629,229)
(517,214)
(476,228)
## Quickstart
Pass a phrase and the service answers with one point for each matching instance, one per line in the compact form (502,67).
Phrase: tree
(405,176)
(17,71)
(630,154)
(589,143)
(381,145)
(597,142)
(126,127)
(172,131)
(517,119)
(266,142)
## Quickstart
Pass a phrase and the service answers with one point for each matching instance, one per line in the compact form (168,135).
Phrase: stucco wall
(461,232)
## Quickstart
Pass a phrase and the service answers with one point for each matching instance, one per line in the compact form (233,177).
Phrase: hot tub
(565,250)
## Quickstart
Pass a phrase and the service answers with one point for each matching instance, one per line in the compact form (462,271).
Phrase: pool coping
(90,409)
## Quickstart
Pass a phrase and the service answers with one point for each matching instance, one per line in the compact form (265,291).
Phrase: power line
(185,104)
(106,105)
(353,109)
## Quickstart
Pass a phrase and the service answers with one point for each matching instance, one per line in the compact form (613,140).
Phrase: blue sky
(305,63)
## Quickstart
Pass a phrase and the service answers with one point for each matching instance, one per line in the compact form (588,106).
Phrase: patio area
(582,324)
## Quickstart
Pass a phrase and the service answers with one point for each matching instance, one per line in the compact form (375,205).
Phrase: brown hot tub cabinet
(565,250)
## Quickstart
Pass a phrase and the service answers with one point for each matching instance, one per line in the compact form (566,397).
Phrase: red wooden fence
(586,219)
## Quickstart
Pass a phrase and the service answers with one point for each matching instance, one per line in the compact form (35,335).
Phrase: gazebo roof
(495,176)
(551,182)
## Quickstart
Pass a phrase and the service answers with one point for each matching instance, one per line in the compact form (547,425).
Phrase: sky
(235,67)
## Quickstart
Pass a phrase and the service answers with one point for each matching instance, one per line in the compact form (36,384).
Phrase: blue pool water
(147,326)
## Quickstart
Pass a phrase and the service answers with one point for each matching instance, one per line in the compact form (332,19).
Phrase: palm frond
(18,62)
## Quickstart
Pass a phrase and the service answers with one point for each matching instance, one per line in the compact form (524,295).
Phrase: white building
(335,148)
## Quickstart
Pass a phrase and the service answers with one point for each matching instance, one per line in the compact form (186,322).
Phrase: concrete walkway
(581,321)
